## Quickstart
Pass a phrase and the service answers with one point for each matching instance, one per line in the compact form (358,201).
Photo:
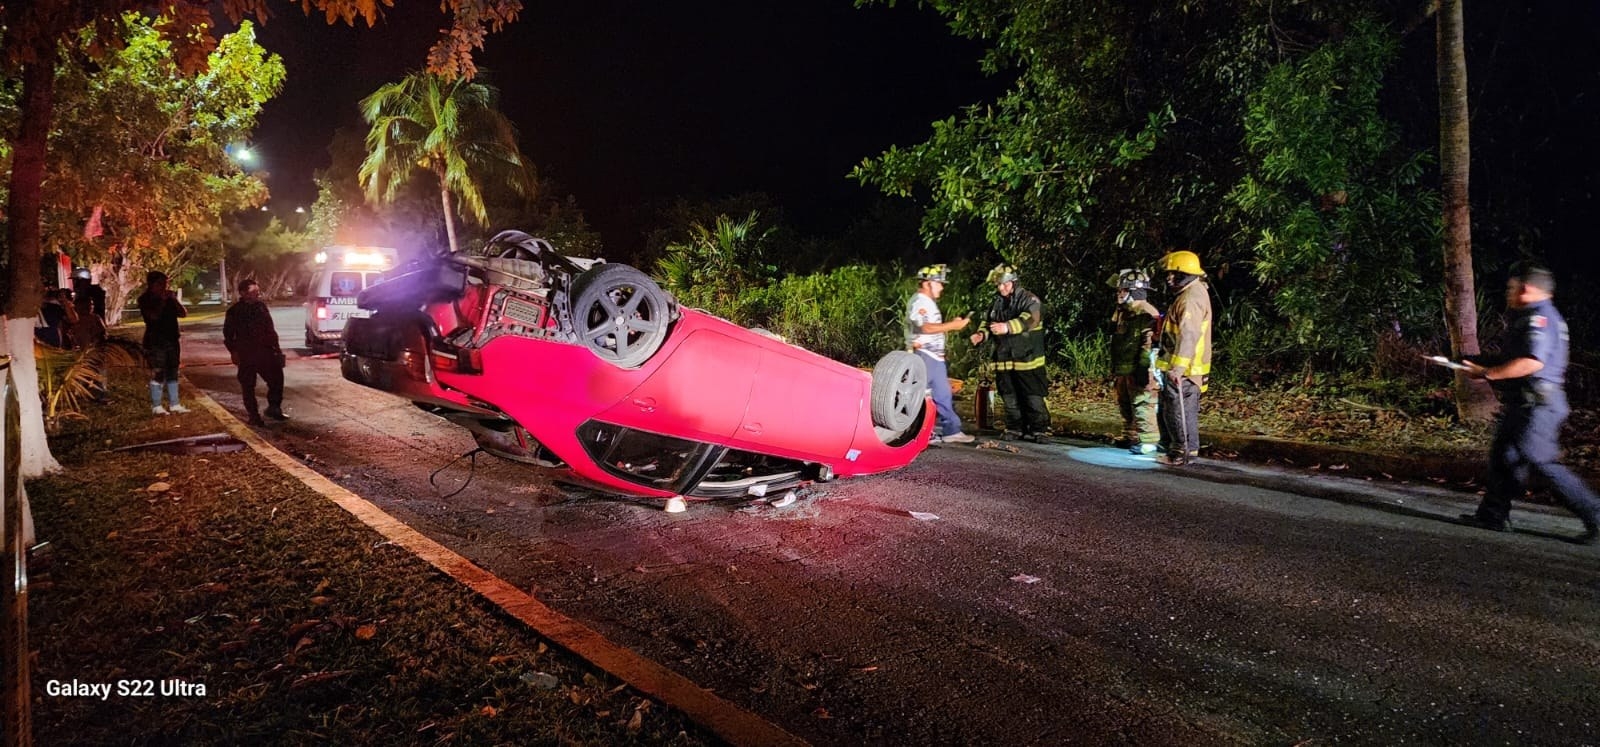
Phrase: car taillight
(322,312)
(416,364)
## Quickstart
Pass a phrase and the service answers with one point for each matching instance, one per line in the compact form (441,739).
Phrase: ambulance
(338,274)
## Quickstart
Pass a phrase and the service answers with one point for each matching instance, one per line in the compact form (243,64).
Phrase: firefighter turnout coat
(1186,334)
(1022,347)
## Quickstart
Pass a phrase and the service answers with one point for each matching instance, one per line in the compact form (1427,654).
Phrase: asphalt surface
(1061,593)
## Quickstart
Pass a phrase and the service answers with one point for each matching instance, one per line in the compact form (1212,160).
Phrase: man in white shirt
(925,334)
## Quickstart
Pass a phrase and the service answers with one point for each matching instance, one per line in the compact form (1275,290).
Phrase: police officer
(1015,328)
(1133,332)
(1529,375)
(925,328)
(1185,357)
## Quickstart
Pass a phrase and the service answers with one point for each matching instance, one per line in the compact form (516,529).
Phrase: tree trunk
(23,237)
(22,288)
(449,218)
(18,342)
(1474,401)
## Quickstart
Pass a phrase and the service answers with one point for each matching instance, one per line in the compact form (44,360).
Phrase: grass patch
(1359,414)
(302,624)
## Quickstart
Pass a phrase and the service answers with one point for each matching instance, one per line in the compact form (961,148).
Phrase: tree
(450,129)
(1473,402)
(342,215)
(1333,206)
(717,266)
(271,255)
(145,142)
(1216,125)
(36,32)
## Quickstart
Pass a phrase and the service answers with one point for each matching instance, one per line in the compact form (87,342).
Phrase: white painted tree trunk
(36,457)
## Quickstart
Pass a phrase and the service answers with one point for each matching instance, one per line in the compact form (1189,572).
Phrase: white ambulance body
(338,274)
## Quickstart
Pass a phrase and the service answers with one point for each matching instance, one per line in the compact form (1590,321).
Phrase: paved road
(1060,596)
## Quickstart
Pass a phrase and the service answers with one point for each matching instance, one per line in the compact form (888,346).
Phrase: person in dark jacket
(252,343)
(1017,333)
(161,310)
(1530,376)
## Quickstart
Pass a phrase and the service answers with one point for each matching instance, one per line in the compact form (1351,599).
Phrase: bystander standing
(925,332)
(252,343)
(161,310)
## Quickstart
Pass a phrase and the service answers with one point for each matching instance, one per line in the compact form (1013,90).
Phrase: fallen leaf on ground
(366,632)
(489,711)
(158,487)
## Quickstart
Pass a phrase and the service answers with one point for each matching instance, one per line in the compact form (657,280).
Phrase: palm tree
(448,128)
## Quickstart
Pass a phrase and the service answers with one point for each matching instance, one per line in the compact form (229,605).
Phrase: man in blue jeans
(161,310)
(925,330)
(1530,375)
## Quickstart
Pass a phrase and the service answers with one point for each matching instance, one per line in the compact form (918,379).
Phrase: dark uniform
(1532,411)
(1018,361)
(253,342)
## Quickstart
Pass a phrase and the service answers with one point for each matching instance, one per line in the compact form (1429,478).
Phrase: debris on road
(920,516)
(213,443)
(1023,578)
(999,446)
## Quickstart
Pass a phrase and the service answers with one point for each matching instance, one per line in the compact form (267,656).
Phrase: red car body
(716,410)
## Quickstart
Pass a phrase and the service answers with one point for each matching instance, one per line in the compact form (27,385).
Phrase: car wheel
(620,314)
(899,390)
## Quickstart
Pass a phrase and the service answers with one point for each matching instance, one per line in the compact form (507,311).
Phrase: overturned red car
(591,369)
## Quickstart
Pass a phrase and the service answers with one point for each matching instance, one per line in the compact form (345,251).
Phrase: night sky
(628,105)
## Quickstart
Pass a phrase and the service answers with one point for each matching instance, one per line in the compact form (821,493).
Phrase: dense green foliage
(1251,132)
(145,141)
(1341,229)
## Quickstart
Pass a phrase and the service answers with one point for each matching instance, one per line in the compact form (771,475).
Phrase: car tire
(899,390)
(620,314)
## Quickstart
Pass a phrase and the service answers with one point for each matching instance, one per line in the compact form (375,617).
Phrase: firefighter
(1015,327)
(1184,358)
(1530,375)
(1134,327)
(925,329)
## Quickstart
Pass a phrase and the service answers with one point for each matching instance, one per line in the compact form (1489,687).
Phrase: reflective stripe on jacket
(1022,347)
(1186,333)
